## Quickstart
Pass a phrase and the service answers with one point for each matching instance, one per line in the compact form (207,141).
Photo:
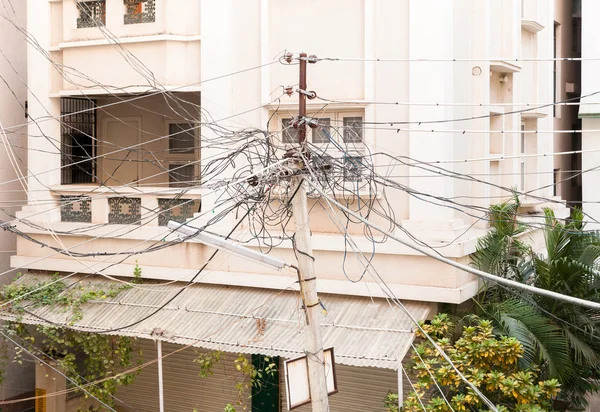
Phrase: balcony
(153,206)
(145,43)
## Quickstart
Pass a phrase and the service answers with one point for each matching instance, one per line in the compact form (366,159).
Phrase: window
(338,136)
(318,135)
(91,13)
(182,175)
(182,138)
(556,91)
(556,180)
(345,129)
(183,150)
(353,167)
(139,11)
(322,132)
(289,134)
(353,128)
(576,35)
(78,140)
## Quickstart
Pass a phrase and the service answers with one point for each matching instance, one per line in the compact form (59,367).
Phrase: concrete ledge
(285,280)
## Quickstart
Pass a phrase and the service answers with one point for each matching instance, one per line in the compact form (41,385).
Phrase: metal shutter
(360,389)
(184,390)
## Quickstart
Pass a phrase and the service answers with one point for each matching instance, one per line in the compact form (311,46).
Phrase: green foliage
(56,293)
(250,375)
(488,361)
(207,361)
(84,357)
(137,274)
(229,408)
(563,338)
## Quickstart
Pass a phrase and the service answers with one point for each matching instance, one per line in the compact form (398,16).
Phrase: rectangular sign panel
(297,382)
(40,400)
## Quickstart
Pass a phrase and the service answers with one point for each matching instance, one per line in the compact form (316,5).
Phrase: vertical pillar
(545,141)
(49,381)
(44,130)
(400,386)
(431,36)
(216,25)
(161,396)
(480,93)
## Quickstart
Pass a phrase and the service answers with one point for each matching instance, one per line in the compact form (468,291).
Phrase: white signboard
(297,383)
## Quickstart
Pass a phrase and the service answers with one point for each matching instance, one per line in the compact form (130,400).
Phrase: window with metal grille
(289,134)
(353,129)
(139,11)
(91,13)
(78,140)
(182,138)
(353,167)
(181,175)
(347,129)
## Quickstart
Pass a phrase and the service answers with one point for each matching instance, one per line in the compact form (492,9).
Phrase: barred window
(91,13)
(139,11)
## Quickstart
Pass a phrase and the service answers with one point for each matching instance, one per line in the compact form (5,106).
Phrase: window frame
(335,119)
(91,20)
(182,159)
(182,156)
(182,165)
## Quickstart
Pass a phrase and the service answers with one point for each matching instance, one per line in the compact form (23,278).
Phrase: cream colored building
(567,88)
(589,112)
(103,68)
(13,159)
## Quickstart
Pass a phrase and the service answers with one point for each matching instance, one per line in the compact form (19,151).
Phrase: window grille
(91,13)
(181,175)
(353,130)
(182,138)
(290,133)
(139,11)
(353,167)
(78,140)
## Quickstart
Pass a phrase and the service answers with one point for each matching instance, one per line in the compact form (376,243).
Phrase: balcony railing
(132,206)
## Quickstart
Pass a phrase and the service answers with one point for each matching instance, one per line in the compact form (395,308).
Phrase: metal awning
(363,331)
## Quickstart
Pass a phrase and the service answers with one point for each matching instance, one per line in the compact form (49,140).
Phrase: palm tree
(563,339)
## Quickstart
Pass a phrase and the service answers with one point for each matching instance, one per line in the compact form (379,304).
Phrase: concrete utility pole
(308,280)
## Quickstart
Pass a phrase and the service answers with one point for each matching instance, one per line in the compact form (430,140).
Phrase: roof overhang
(364,331)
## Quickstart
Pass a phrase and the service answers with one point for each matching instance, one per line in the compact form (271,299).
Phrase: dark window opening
(181,175)
(555,67)
(265,398)
(78,140)
(182,138)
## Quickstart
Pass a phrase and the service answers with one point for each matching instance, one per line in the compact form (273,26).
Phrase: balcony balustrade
(143,206)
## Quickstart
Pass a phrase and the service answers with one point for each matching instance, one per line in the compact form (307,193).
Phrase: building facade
(567,88)
(589,110)
(13,160)
(445,101)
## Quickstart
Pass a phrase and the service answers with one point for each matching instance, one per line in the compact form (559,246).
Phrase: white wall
(13,95)
(590,113)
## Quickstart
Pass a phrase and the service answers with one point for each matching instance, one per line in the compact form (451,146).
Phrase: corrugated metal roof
(363,331)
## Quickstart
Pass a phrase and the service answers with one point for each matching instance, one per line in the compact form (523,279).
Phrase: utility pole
(306,268)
